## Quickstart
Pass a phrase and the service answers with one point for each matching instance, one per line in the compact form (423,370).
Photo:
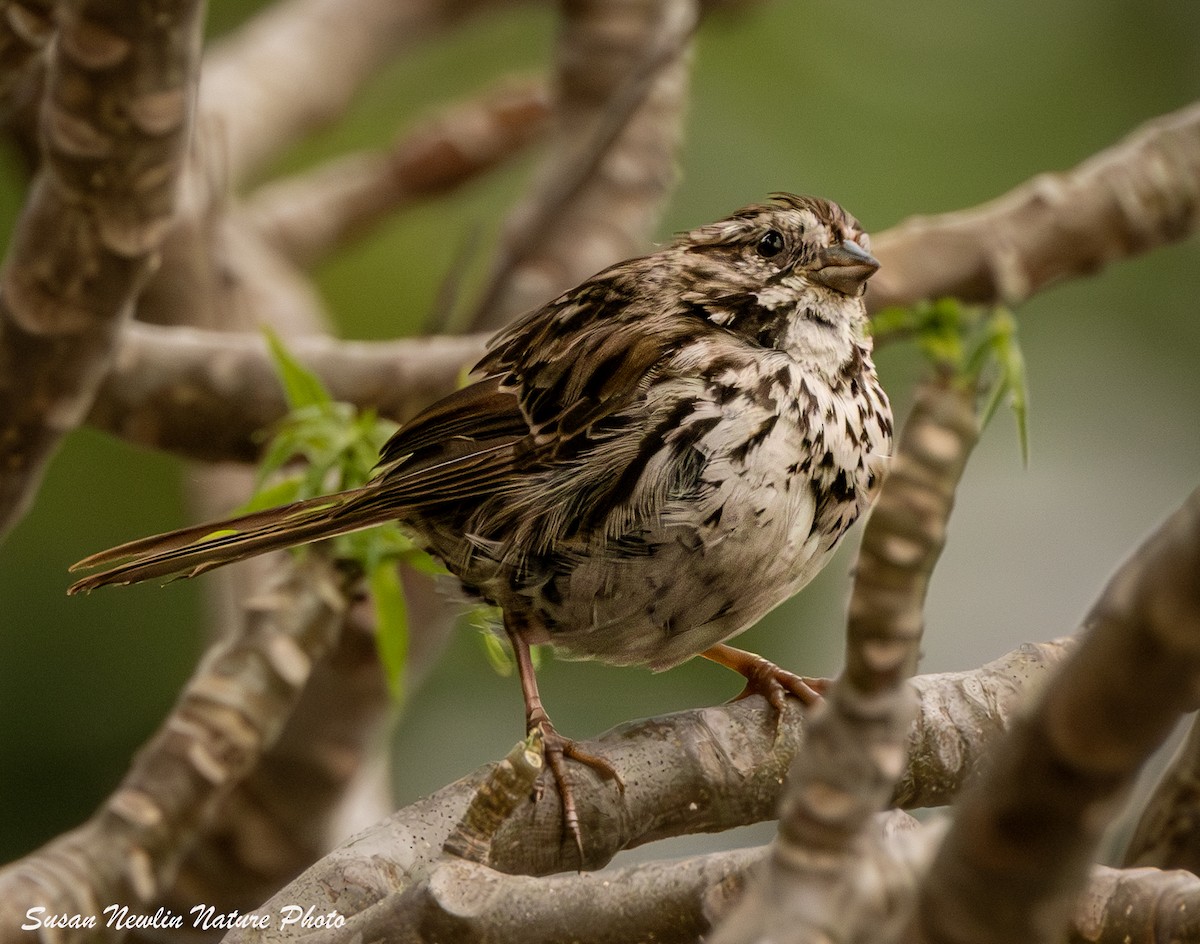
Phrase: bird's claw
(775,684)
(556,749)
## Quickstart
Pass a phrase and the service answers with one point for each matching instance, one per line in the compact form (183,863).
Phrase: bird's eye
(771,244)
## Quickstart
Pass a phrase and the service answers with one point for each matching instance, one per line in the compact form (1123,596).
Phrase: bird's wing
(566,380)
(587,355)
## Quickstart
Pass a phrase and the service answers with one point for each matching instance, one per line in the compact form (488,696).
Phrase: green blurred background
(892,109)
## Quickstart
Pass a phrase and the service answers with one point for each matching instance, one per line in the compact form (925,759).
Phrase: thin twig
(321,211)
(612,161)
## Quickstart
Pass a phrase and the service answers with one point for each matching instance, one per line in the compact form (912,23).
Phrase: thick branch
(134,408)
(961,716)
(677,902)
(114,123)
(1135,196)
(1121,906)
(25,28)
(1168,833)
(813,883)
(1016,854)
(209,395)
(700,771)
(230,712)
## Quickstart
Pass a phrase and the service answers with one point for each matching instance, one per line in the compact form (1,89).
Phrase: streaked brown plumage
(647,465)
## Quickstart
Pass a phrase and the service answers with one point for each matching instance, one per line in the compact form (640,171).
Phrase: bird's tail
(191,551)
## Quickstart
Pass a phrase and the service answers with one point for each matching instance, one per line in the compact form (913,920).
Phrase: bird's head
(784,274)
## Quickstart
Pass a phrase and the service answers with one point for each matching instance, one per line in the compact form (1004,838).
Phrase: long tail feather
(193,550)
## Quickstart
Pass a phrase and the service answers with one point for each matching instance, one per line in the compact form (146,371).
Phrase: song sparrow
(647,465)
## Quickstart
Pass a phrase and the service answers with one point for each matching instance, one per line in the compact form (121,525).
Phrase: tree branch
(318,212)
(680,901)
(146,409)
(706,770)
(1015,857)
(823,877)
(230,712)
(1137,195)
(622,85)
(1168,833)
(25,28)
(209,395)
(295,67)
(115,120)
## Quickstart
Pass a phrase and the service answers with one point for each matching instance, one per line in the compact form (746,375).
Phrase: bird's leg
(554,745)
(766,678)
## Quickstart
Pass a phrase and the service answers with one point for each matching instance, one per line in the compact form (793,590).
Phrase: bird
(641,468)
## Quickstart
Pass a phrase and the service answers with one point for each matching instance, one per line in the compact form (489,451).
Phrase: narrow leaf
(301,386)
(391,623)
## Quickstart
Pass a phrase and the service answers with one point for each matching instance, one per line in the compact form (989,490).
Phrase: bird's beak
(845,268)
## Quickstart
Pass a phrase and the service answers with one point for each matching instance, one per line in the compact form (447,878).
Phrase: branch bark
(825,877)
(280,77)
(209,395)
(316,213)
(699,771)
(924,257)
(115,121)
(1168,833)
(25,28)
(228,715)
(1137,195)
(1016,855)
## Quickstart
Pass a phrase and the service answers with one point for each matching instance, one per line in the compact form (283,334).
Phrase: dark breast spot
(754,440)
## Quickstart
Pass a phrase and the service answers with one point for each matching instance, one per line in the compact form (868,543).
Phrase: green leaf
(391,623)
(328,447)
(972,343)
(497,655)
(301,386)
(896,319)
(1001,350)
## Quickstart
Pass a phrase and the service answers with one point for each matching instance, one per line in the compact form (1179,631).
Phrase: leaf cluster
(325,446)
(976,346)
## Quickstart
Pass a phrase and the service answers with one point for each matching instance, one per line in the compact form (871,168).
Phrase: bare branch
(1141,193)
(115,121)
(229,713)
(622,80)
(209,395)
(1120,906)
(699,771)
(309,216)
(905,534)
(1016,854)
(295,67)
(678,902)
(145,408)
(962,715)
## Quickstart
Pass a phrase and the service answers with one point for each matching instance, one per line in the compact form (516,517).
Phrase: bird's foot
(765,678)
(557,749)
